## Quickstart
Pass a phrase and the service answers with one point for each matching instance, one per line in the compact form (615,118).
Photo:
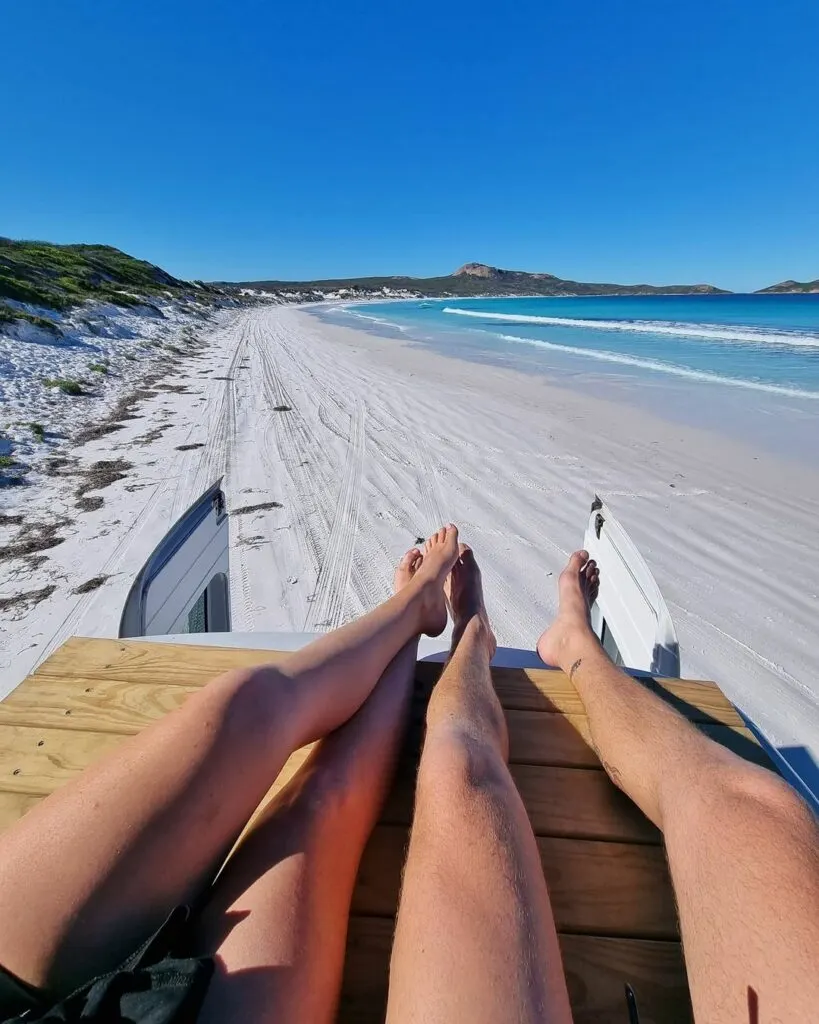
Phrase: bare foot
(577,587)
(464,591)
(406,569)
(439,555)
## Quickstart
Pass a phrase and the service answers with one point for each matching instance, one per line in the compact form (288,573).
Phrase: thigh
(95,868)
(744,857)
(475,938)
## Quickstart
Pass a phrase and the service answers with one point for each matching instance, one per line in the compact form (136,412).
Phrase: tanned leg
(90,872)
(475,939)
(277,919)
(742,847)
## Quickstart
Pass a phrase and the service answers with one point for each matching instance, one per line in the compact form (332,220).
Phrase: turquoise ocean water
(745,366)
(762,343)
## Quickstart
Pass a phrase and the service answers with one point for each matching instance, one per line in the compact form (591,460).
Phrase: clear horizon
(245,142)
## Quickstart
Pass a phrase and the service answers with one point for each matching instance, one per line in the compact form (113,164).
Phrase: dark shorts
(159,984)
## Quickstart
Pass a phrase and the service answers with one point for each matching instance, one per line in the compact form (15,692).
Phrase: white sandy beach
(384,442)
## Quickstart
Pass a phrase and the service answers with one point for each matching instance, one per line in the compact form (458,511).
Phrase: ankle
(474,628)
(576,644)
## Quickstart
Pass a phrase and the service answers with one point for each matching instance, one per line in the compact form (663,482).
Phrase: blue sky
(639,141)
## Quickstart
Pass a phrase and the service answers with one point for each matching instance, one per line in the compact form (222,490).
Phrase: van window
(197,616)
(209,613)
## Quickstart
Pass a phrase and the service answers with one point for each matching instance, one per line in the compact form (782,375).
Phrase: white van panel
(183,587)
(630,615)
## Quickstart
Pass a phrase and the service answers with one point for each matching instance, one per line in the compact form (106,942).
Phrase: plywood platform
(602,859)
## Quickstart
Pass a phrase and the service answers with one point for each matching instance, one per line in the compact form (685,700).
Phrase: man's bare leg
(90,872)
(475,939)
(277,917)
(742,847)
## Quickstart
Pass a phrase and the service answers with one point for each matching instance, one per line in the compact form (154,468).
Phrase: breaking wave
(711,332)
(662,367)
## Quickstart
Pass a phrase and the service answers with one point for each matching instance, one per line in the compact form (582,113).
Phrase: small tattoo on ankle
(574,668)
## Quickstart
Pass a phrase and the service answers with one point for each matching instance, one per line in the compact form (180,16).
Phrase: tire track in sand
(336,570)
(308,463)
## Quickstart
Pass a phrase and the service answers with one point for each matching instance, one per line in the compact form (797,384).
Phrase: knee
(748,796)
(763,793)
(242,702)
(460,768)
(481,719)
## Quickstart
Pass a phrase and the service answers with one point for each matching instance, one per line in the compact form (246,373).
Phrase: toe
(575,565)
(408,560)
(578,561)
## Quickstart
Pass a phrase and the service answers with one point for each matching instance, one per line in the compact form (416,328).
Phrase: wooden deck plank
(14,806)
(560,801)
(42,760)
(572,803)
(92,705)
(580,803)
(596,970)
(615,889)
(537,737)
(139,661)
(131,661)
(95,705)
(39,761)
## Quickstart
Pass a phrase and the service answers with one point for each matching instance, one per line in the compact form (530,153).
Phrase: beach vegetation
(93,584)
(98,367)
(64,276)
(38,430)
(10,315)
(66,385)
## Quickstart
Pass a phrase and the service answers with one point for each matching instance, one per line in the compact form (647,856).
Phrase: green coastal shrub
(68,387)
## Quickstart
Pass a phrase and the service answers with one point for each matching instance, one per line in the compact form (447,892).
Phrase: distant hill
(60,277)
(790,288)
(474,279)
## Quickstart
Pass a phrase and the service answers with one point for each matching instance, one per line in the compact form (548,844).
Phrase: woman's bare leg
(742,847)
(92,870)
(475,939)
(277,918)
